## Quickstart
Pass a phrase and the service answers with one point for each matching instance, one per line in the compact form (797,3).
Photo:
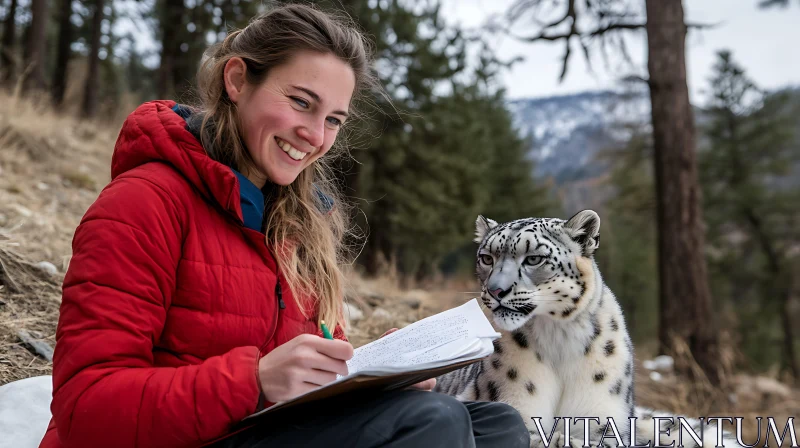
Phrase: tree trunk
(64,51)
(170,47)
(789,357)
(35,46)
(90,90)
(378,251)
(779,288)
(684,294)
(7,56)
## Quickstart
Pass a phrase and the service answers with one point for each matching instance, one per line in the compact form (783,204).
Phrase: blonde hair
(305,233)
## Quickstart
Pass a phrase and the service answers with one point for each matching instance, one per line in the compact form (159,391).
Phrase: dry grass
(50,170)
(29,300)
(387,304)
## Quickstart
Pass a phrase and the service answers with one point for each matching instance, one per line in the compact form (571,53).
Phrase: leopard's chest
(543,356)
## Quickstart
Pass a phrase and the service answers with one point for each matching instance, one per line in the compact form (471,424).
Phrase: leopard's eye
(486,259)
(533,260)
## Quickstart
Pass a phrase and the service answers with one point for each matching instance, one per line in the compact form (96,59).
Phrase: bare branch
(569,14)
(543,34)
(586,55)
(702,26)
(624,49)
(617,26)
(604,53)
(634,79)
(770,3)
(609,21)
(595,33)
(567,51)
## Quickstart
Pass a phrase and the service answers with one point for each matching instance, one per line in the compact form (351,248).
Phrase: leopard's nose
(499,293)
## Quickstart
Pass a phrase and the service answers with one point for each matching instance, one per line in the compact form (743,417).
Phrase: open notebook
(425,349)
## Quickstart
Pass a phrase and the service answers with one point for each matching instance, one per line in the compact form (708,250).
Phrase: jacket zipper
(279,293)
(281,305)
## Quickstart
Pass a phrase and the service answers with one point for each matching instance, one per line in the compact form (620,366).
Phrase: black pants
(405,418)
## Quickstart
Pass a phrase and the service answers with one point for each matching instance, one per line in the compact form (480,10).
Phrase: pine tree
(89,105)
(64,51)
(746,166)
(35,46)
(184,29)
(631,267)
(8,60)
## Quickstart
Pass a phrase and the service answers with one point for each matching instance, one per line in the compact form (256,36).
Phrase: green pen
(325,331)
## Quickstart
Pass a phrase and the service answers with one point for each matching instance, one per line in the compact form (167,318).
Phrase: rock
(373,299)
(41,348)
(42,186)
(352,313)
(22,210)
(655,376)
(381,314)
(662,363)
(47,267)
(768,385)
(413,299)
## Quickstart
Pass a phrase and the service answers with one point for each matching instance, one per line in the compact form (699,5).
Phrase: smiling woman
(201,273)
(286,124)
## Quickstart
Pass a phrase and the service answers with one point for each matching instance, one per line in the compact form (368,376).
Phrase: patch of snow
(352,312)
(48,267)
(25,411)
(381,313)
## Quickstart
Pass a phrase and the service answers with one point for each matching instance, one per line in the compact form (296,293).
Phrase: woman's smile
(290,150)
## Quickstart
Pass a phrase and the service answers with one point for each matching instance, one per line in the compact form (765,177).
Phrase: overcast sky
(765,42)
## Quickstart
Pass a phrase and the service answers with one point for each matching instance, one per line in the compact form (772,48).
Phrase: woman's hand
(426,385)
(301,365)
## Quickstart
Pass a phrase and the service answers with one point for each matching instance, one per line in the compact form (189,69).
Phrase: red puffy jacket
(168,303)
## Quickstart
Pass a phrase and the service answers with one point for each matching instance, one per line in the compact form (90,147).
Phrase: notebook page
(480,348)
(435,338)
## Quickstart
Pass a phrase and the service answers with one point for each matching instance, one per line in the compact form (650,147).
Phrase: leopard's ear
(482,227)
(584,229)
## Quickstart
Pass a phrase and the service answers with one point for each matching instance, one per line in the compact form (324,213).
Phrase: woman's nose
(313,133)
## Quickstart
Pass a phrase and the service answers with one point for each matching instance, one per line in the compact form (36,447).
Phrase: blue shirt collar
(252,200)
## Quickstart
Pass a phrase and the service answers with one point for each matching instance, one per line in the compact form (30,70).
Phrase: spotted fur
(565,350)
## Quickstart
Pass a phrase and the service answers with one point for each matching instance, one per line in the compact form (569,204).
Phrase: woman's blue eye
(334,121)
(300,102)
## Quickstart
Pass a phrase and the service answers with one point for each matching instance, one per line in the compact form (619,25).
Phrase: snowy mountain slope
(568,131)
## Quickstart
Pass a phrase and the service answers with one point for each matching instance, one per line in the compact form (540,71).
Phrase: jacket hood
(155,133)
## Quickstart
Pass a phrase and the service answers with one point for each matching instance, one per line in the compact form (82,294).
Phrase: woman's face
(292,118)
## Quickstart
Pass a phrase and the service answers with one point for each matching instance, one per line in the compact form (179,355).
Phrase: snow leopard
(565,350)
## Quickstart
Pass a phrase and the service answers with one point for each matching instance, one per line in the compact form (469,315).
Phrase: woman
(187,308)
